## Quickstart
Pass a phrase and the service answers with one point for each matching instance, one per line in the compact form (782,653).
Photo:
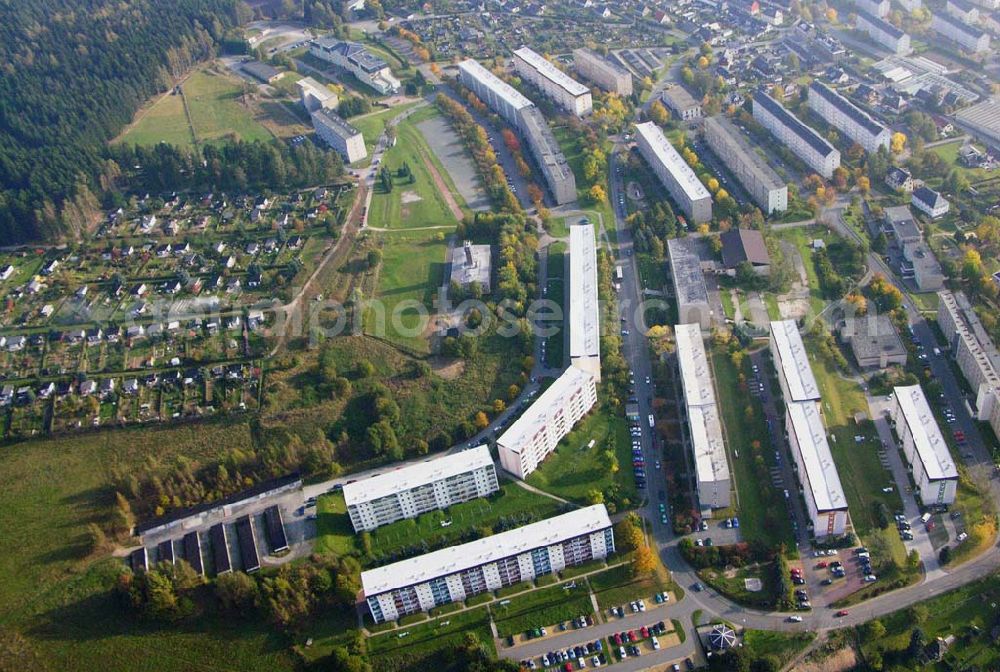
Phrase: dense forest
(74,72)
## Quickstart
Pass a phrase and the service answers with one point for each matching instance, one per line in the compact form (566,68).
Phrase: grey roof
(261,71)
(739,245)
(927,195)
(741,146)
(845,106)
(872,336)
(354,53)
(335,123)
(790,121)
(960,25)
(677,98)
(545,148)
(685,266)
(900,218)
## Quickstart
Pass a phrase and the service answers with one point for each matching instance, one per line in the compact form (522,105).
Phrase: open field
(372,124)
(783,646)
(163,121)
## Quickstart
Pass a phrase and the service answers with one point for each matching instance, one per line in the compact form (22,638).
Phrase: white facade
(681,103)
(551,417)
(968,37)
(963,11)
(604,73)
(353,57)
(428,486)
(459,572)
(497,94)
(340,135)
(315,96)
(705,426)
(923,445)
(689,282)
(845,116)
(879,8)
(883,33)
(584,317)
(674,172)
(804,142)
(753,172)
(565,91)
(791,360)
(823,492)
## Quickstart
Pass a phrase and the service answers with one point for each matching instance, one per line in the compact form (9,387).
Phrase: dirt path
(442,186)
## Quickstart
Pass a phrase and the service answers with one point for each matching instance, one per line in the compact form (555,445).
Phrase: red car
(644,631)
(842,613)
(823,565)
(617,639)
(631,636)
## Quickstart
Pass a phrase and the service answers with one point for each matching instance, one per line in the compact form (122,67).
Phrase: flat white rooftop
(543,409)
(706,439)
(794,361)
(692,360)
(406,478)
(930,445)
(551,72)
(672,161)
(499,87)
(821,476)
(584,325)
(482,551)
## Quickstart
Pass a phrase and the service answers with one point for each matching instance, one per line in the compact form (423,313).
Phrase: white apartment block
(688,279)
(459,572)
(353,57)
(704,424)
(431,485)
(315,96)
(822,490)
(970,38)
(681,103)
(674,173)
(565,91)
(925,449)
(879,8)
(497,94)
(988,4)
(757,177)
(340,135)
(883,33)
(551,417)
(607,75)
(584,317)
(849,119)
(962,10)
(803,141)
(795,376)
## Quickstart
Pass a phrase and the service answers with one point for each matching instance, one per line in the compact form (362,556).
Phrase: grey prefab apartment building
(607,75)
(804,142)
(497,94)
(845,116)
(681,103)
(883,33)
(970,38)
(547,154)
(689,282)
(757,177)
(925,449)
(674,173)
(340,135)
(565,91)
(427,486)
(459,572)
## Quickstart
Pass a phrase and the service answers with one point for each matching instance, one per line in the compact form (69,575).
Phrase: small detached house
(930,202)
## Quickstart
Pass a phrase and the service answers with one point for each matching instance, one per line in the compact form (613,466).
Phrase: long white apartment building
(688,279)
(334,131)
(584,317)
(459,572)
(817,473)
(925,449)
(607,75)
(969,37)
(551,417)
(757,177)
(410,491)
(804,142)
(497,94)
(704,424)
(795,375)
(565,91)
(674,172)
(855,123)
(974,352)
(883,33)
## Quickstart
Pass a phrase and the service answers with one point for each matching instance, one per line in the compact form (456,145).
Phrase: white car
(794,619)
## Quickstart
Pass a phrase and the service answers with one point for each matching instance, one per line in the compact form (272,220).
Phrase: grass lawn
(771,301)
(395,650)
(733,585)
(727,303)
(543,607)
(757,501)
(949,153)
(512,502)
(572,147)
(412,270)
(783,645)
(372,124)
(558,228)
(802,238)
(651,272)
(617,585)
(573,469)
(415,204)
(163,121)
(556,291)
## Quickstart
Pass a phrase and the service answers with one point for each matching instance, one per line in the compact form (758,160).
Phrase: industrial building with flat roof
(873,340)
(565,91)
(689,282)
(753,172)
(817,473)
(551,417)
(970,38)
(431,485)
(547,154)
(584,316)
(845,116)
(804,142)
(674,173)
(791,360)
(459,572)
(471,264)
(925,449)
(681,103)
(982,120)
(883,33)
(607,75)
(704,424)
(497,94)
(334,131)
